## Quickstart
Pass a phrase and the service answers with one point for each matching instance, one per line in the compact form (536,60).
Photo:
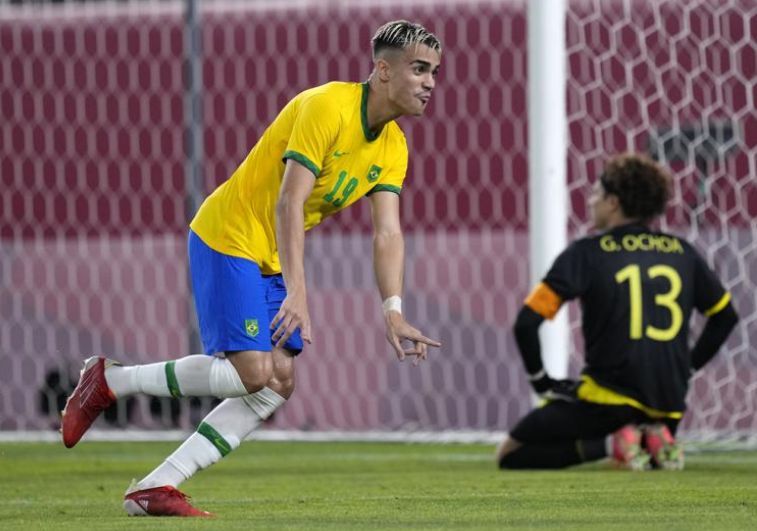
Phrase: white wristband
(538,376)
(393,304)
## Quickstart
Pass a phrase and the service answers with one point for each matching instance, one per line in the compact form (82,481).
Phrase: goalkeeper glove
(550,389)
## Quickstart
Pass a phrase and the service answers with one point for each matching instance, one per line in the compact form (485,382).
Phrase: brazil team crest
(251,327)
(373,173)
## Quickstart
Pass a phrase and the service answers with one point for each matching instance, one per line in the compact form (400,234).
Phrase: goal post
(547,154)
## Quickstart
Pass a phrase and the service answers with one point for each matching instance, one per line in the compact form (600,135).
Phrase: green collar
(370,136)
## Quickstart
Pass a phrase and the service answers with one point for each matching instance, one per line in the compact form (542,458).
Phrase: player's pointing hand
(399,330)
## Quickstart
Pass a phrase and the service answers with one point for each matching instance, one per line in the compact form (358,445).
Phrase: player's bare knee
(256,378)
(254,369)
(282,379)
(284,387)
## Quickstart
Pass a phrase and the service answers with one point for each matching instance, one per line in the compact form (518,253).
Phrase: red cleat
(664,451)
(160,501)
(626,449)
(90,397)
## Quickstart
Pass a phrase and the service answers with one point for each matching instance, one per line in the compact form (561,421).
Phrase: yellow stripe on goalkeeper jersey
(722,303)
(591,391)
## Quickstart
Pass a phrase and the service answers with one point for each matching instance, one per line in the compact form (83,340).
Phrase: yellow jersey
(325,129)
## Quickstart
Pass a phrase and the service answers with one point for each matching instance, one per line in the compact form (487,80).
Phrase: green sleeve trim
(302,159)
(209,432)
(385,188)
(722,303)
(173,383)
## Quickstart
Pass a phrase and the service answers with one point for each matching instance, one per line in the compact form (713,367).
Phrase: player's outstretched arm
(388,265)
(296,186)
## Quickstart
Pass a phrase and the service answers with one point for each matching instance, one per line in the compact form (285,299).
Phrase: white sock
(219,433)
(197,375)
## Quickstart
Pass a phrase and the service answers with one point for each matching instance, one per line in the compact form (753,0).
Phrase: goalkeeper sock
(197,375)
(592,449)
(554,455)
(220,432)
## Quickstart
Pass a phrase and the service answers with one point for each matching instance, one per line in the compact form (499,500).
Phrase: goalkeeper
(637,288)
(328,147)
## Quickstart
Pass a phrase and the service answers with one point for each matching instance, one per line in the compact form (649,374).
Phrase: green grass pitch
(267,485)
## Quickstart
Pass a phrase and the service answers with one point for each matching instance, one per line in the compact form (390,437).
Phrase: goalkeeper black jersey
(637,289)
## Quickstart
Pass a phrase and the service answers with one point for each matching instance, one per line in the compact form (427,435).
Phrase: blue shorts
(235,302)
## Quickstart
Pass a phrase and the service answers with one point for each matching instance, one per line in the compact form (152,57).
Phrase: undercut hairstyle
(400,34)
(641,185)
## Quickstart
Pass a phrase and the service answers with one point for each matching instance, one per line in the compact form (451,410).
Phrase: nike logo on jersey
(338,153)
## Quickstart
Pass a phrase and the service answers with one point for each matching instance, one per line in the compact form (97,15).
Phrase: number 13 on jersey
(632,274)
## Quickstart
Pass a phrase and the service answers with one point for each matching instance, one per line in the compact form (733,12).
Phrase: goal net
(93,164)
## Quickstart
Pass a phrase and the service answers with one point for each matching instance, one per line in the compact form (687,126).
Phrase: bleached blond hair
(399,34)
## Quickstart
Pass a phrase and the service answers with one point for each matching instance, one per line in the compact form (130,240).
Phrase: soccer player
(637,288)
(327,148)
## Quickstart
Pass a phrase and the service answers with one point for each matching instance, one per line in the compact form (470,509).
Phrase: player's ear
(614,202)
(383,69)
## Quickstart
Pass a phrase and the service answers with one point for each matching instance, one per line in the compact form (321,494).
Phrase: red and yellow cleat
(627,451)
(665,453)
(160,501)
(90,398)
